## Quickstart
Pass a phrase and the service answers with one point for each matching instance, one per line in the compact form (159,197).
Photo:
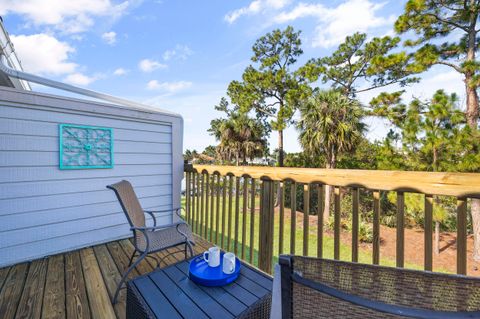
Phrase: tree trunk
(437,238)
(280,148)
(472,120)
(476,228)
(472,103)
(328,190)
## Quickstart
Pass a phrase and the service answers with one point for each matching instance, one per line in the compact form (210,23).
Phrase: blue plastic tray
(202,274)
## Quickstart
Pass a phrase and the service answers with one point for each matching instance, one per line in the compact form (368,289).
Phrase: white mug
(228,263)
(213,258)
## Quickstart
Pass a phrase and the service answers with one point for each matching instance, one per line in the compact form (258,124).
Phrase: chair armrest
(175,210)
(153,217)
(153,228)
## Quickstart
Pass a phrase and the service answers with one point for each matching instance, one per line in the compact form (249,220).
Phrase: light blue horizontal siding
(44,210)
(54,201)
(38,115)
(55,216)
(78,240)
(32,158)
(50,144)
(35,128)
(42,188)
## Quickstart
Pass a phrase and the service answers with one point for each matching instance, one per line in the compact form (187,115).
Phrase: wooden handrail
(460,185)
(201,195)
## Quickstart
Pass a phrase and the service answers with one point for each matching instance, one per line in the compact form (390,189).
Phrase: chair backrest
(323,288)
(129,202)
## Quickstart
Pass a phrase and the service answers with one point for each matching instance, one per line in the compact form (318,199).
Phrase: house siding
(45,210)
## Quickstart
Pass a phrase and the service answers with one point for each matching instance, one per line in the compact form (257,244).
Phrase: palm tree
(330,124)
(240,136)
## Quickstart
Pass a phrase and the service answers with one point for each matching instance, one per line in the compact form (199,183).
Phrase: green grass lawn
(364,255)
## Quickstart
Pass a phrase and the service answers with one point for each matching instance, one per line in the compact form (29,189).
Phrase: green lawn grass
(364,256)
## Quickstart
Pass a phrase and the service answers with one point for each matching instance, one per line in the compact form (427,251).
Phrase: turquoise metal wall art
(85,147)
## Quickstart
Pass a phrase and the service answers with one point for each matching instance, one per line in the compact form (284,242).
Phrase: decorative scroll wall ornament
(84,147)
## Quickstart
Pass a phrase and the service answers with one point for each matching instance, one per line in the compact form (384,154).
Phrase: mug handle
(231,266)
(204,256)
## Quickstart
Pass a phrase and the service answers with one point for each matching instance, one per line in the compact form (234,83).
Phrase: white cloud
(169,87)
(120,71)
(349,17)
(255,7)
(333,23)
(442,78)
(67,16)
(110,37)
(147,65)
(80,79)
(181,52)
(43,54)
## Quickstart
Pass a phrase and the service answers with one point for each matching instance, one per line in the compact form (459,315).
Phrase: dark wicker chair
(148,240)
(321,288)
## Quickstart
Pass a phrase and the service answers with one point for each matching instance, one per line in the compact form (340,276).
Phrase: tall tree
(360,65)
(240,136)
(431,134)
(446,34)
(272,89)
(330,124)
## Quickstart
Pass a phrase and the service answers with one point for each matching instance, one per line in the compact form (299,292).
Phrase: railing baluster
(400,229)
(265,247)
(321,203)
(207,210)
(187,197)
(355,223)
(428,226)
(252,219)
(202,207)
(224,210)
(217,210)
(293,216)
(281,201)
(237,215)
(244,215)
(376,228)
(306,219)
(197,212)
(212,206)
(461,236)
(336,225)
(230,211)
(194,194)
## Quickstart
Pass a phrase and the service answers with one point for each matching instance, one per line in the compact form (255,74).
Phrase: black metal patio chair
(148,240)
(323,288)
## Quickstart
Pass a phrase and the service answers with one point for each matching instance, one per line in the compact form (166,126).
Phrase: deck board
(77,284)
(30,305)
(54,295)
(12,290)
(76,295)
(111,277)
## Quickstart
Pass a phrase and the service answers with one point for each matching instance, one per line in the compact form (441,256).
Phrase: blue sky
(181,55)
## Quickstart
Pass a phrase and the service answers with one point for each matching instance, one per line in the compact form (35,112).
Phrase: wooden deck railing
(210,195)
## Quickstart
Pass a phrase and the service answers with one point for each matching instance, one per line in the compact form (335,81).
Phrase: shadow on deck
(76,284)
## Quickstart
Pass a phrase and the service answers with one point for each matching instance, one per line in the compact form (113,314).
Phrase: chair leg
(125,275)
(190,248)
(131,258)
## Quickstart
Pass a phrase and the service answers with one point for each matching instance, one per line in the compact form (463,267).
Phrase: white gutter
(74,89)
(8,50)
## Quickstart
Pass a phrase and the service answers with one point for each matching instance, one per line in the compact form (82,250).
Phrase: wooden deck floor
(77,284)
